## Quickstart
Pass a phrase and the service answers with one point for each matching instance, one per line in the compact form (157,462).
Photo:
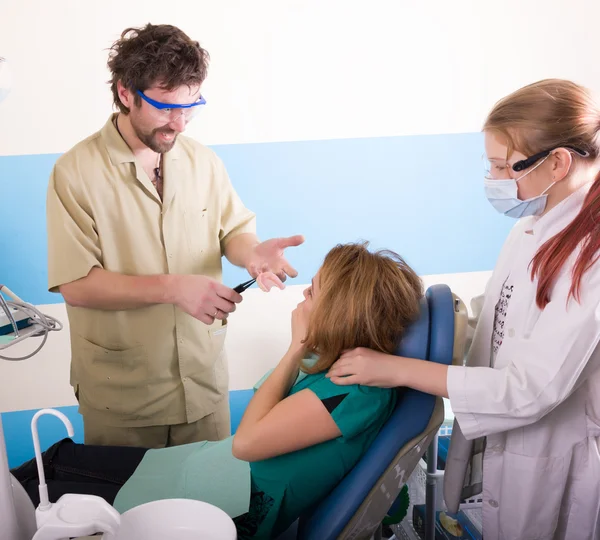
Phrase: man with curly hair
(139,217)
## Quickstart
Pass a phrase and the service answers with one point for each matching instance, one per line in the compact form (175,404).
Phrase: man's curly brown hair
(160,55)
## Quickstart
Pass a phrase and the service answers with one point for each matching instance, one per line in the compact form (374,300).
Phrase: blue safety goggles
(172,111)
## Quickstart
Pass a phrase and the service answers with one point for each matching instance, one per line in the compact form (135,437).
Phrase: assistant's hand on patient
(372,368)
(366,367)
(268,256)
(204,298)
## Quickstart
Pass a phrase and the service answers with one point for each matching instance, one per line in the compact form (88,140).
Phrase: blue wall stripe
(421,196)
(17,427)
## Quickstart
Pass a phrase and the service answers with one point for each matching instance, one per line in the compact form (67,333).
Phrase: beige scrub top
(154,365)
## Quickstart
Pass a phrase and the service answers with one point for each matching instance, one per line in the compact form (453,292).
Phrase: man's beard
(152,141)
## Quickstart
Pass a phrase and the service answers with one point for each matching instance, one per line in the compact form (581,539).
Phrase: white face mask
(503,196)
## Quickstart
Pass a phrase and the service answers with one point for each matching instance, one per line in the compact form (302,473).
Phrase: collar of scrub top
(160,105)
(243,286)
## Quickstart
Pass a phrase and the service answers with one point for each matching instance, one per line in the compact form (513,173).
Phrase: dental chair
(356,507)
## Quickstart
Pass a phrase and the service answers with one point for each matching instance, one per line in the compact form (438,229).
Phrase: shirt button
(511,332)
(180,340)
(493,503)
(185,379)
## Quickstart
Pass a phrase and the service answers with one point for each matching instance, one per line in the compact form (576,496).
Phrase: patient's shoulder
(325,389)
(355,409)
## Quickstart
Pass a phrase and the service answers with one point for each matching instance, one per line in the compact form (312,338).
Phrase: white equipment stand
(75,516)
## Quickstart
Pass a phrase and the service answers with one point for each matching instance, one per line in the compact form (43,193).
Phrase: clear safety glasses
(502,169)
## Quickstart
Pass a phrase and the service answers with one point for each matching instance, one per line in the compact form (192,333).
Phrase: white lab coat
(540,405)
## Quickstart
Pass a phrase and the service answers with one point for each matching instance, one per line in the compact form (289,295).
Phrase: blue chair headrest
(415,342)
(441,317)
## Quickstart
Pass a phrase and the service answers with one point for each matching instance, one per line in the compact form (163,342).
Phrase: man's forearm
(102,289)
(239,249)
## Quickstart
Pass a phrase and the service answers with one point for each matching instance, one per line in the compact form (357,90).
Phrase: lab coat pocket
(112,379)
(531,494)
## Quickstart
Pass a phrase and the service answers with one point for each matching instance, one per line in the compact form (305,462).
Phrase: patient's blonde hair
(366,300)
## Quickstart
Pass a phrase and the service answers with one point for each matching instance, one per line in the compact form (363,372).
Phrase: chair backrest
(356,507)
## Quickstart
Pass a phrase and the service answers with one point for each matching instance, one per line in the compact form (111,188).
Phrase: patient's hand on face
(267,280)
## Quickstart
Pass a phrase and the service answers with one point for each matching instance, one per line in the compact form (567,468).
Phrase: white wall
(295,70)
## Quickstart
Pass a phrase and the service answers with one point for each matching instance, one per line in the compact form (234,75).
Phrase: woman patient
(300,434)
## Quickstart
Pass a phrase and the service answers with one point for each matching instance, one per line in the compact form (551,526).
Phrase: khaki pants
(214,427)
